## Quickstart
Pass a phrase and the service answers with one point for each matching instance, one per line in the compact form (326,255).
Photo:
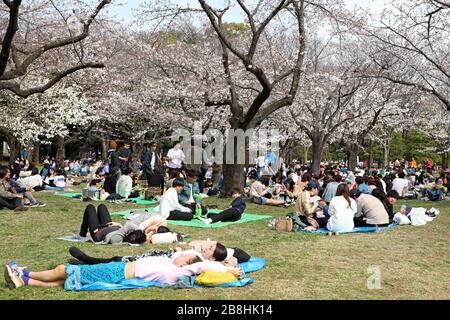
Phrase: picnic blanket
(246,217)
(357,229)
(78,238)
(140,200)
(254,264)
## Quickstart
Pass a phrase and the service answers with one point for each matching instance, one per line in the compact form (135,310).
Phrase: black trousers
(321,221)
(360,222)
(201,179)
(155,180)
(193,206)
(178,215)
(94,219)
(10,203)
(230,214)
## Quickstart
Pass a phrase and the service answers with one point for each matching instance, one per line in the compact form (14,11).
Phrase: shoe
(33,205)
(75,262)
(329,233)
(21,208)
(18,270)
(12,280)
(41,204)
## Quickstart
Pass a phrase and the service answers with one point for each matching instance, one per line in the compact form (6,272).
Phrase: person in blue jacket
(233,213)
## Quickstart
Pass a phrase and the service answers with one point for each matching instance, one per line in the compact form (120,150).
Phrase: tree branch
(15,87)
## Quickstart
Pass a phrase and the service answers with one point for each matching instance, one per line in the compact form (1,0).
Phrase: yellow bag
(213,277)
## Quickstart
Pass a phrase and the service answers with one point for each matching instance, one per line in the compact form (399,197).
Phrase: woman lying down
(165,270)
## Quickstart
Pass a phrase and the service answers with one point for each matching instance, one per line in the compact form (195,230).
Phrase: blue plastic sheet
(357,229)
(254,264)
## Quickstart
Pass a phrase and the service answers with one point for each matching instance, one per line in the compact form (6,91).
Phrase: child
(401,217)
(415,217)
(233,213)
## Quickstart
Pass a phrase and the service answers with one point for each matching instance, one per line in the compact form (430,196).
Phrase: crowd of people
(339,200)
(336,199)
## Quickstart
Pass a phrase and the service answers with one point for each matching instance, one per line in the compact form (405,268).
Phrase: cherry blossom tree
(409,46)
(30,37)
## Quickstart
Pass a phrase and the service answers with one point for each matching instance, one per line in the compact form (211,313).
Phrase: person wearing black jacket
(124,154)
(233,213)
(113,156)
(110,181)
(153,167)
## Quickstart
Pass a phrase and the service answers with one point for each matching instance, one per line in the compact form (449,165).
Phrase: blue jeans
(435,195)
(220,183)
(49,188)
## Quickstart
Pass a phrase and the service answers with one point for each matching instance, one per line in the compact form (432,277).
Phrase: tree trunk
(353,156)
(104,146)
(35,153)
(370,160)
(445,160)
(13,149)
(305,155)
(138,149)
(317,148)
(386,149)
(233,177)
(60,152)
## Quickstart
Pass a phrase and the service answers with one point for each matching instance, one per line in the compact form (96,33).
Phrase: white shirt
(399,185)
(384,185)
(169,203)
(152,164)
(191,198)
(176,157)
(261,161)
(124,186)
(31,181)
(341,215)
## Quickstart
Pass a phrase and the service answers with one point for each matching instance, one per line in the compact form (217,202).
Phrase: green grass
(414,261)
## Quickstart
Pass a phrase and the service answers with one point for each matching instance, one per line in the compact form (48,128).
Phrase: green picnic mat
(246,217)
(68,194)
(135,200)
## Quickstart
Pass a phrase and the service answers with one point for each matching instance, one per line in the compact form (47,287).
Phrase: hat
(312,185)
(354,193)
(407,208)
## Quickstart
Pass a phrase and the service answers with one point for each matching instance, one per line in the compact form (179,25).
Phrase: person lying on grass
(72,277)
(233,213)
(136,230)
(210,250)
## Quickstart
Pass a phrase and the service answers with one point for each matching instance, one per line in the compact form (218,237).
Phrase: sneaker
(18,270)
(41,204)
(12,279)
(21,208)
(33,205)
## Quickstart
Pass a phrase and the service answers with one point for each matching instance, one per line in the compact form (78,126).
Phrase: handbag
(284,224)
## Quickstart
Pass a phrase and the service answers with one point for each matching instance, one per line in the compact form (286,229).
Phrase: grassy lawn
(414,261)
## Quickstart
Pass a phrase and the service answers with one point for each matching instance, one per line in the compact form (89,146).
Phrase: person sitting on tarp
(190,195)
(233,213)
